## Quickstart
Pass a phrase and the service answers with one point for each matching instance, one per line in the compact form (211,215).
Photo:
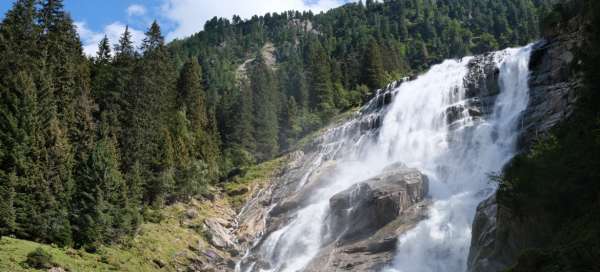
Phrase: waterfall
(459,174)
(429,125)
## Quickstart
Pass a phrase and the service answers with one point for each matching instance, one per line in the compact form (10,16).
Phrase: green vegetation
(39,259)
(169,236)
(93,149)
(557,182)
(328,62)
(252,178)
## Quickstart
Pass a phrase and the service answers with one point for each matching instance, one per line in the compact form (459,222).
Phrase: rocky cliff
(498,235)
(365,219)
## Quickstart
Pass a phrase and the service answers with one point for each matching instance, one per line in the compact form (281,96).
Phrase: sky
(178,18)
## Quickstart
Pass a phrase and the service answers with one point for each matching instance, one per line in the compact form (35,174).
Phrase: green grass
(254,177)
(169,241)
(13,253)
(172,240)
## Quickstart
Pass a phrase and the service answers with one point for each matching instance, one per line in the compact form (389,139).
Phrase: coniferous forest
(90,146)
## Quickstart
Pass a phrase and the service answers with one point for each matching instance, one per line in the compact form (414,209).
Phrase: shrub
(39,259)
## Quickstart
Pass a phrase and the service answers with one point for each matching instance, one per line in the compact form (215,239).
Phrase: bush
(152,215)
(39,259)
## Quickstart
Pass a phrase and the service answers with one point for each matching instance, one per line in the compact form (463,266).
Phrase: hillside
(101,158)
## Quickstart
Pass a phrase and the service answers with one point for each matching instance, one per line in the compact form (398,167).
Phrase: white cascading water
(457,158)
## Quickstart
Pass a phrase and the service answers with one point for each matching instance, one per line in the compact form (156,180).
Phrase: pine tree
(105,90)
(123,93)
(18,33)
(321,89)
(374,72)
(292,128)
(7,195)
(265,98)
(101,209)
(152,105)
(192,100)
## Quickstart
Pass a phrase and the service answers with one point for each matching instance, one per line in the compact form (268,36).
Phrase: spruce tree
(40,155)
(321,89)
(18,34)
(7,195)
(240,140)
(292,128)
(152,105)
(192,100)
(265,98)
(101,209)
(122,72)
(373,68)
(105,91)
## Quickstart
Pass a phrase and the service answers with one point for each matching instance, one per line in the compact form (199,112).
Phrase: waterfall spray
(428,126)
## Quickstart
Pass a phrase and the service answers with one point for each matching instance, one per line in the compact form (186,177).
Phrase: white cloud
(136,10)
(113,31)
(189,16)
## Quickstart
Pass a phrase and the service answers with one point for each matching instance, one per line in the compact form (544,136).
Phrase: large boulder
(372,252)
(219,236)
(369,205)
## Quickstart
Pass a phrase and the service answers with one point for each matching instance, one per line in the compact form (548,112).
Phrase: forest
(90,147)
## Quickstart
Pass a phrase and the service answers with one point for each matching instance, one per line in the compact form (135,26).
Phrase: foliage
(90,146)
(39,259)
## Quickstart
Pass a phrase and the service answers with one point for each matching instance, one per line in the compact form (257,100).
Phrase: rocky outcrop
(498,236)
(553,83)
(481,86)
(369,216)
(219,236)
(368,206)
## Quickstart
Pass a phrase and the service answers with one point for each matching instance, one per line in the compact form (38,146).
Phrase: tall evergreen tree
(101,206)
(373,67)
(17,33)
(240,137)
(106,91)
(321,88)
(152,107)
(192,100)
(122,72)
(266,99)
(291,126)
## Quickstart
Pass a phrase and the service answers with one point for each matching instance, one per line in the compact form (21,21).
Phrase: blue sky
(178,18)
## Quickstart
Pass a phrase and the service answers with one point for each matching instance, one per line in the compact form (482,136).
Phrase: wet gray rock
(369,216)
(481,85)
(372,252)
(552,85)
(218,235)
(367,206)
(483,242)
(498,235)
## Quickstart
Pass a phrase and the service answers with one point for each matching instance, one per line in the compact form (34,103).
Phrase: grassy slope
(171,241)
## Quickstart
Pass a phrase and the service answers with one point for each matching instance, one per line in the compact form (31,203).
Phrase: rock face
(218,235)
(552,84)
(498,237)
(369,216)
(368,206)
